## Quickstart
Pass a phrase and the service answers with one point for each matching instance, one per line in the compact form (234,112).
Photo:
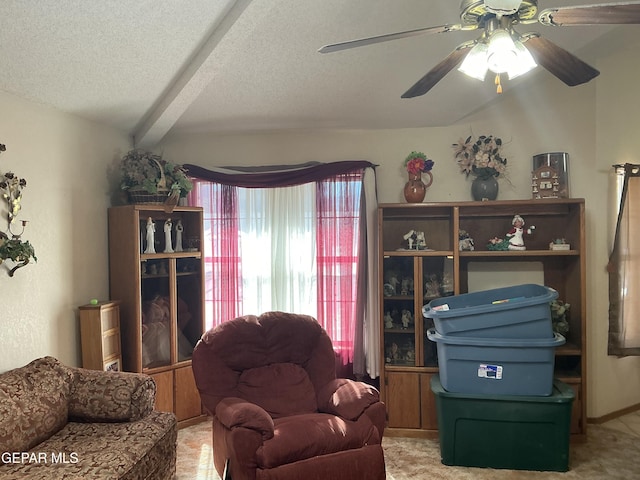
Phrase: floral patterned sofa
(60,422)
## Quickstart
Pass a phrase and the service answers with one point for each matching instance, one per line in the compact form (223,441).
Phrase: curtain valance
(271,177)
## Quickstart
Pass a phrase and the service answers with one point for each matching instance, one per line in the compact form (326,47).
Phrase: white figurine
(406,286)
(406,318)
(179,230)
(388,321)
(151,230)
(516,234)
(409,236)
(393,281)
(167,236)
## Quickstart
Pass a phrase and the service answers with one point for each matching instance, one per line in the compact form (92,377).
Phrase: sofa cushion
(281,389)
(33,403)
(305,436)
(145,449)
(98,396)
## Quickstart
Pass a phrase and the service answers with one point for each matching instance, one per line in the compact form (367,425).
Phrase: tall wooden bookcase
(161,299)
(409,279)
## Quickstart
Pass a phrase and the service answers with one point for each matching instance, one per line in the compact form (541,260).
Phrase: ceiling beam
(187,86)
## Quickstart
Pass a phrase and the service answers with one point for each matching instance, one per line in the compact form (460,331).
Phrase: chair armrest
(235,412)
(98,396)
(346,398)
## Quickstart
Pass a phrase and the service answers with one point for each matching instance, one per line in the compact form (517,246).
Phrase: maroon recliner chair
(279,412)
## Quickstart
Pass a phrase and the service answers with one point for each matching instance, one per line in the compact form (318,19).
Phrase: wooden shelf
(525,253)
(404,386)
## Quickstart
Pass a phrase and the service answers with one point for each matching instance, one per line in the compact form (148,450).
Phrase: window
(624,267)
(293,249)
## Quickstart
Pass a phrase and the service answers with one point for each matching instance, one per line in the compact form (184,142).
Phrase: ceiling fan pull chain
(498,84)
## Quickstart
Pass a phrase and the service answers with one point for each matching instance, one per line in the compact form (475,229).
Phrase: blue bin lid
(481,302)
(556,341)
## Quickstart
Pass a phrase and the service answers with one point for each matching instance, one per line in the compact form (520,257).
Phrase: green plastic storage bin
(503,431)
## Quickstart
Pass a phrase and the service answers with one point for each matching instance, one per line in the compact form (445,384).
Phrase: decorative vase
(484,188)
(415,189)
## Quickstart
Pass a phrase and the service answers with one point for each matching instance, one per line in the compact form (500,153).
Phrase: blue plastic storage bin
(496,366)
(521,311)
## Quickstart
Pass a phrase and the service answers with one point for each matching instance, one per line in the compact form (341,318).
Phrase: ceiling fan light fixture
(523,63)
(501,53)
(502,7)
(475,63)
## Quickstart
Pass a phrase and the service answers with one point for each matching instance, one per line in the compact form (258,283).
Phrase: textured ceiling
(148,67)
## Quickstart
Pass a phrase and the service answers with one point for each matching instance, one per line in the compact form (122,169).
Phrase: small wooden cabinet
(161,294)
(100,336)
(411,278)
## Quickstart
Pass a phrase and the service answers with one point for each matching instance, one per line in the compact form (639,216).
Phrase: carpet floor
(606,454)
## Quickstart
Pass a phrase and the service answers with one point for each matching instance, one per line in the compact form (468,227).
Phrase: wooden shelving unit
(100,336)
(161,299)
(409,358)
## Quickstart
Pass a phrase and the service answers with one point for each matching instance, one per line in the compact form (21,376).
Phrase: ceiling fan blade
(438,72)
(564,65)
(611,14)
(390,36)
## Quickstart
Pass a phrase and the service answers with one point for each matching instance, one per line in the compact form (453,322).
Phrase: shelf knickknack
(148,178)
(12,247)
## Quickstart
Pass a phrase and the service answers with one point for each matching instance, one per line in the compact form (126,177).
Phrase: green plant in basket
(148,172)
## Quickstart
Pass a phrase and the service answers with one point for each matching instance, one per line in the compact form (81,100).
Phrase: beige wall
(594,123)
(64,160)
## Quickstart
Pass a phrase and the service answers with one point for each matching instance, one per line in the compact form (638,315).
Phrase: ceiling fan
(501,49)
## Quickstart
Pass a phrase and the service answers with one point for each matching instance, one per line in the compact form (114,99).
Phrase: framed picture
(550,175)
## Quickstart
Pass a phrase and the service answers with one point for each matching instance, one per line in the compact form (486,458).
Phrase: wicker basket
(142,196)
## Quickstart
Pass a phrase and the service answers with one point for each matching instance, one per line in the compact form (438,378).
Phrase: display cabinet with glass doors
(156,271)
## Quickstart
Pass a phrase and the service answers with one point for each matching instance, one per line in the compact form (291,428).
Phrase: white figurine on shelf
(151,230)
(179,230)
(406,286)
(388,320)
(394,282)
(516,234)
(167,236)
(410,237)
(406,318)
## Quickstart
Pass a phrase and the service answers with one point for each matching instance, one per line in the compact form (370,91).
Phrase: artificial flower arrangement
(417,163)
(481,157)
(146,171)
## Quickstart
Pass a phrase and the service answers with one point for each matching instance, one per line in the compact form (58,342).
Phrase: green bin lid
(562,393)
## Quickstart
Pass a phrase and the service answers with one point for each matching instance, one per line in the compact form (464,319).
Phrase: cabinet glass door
(156,313)
(438,281)
(399,314)
(189,307)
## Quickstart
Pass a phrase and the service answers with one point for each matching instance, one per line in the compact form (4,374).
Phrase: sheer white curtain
(277,249)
